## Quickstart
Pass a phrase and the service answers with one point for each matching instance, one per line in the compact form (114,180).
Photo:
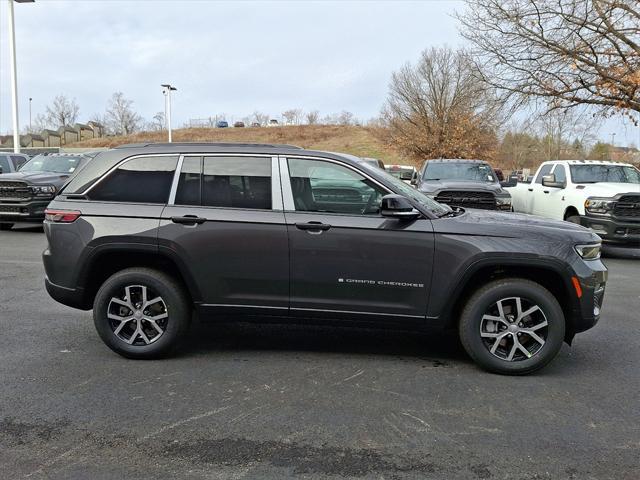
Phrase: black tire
(175,303)
(6,226)
(530,293)
(573,219)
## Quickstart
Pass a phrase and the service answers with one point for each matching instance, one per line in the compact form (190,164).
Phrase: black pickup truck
(25,194)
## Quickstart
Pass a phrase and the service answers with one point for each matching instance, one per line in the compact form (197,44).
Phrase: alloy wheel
(514,329)
(138,316)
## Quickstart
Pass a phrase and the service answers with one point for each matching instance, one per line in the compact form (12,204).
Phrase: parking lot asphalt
(274,402)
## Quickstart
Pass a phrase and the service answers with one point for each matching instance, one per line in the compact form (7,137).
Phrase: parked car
(25,194)
(463,183)
(255,124)
(273,123)
(222,124)
(238,124)
(601,195)
(11,162)
(147,234)
(404,172)
(374,162)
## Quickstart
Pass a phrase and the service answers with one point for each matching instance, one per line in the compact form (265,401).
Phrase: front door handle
(188,220)
(530,189)
(313,227)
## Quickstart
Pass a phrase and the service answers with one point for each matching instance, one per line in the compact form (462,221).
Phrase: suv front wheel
(512,326)
(141,313)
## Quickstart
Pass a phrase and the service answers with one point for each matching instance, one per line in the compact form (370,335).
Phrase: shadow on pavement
(205,337)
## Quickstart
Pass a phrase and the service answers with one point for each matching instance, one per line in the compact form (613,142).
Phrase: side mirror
(512,181)
(414,179)
(397,206)
(550,181)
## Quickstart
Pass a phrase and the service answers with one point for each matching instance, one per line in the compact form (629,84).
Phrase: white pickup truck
(603,196)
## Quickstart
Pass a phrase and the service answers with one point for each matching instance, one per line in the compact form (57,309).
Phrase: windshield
(464,171)
(403,189)
(604,173)
(52,163)
(4,164)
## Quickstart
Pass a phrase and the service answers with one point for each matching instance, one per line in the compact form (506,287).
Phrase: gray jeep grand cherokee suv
(146,235)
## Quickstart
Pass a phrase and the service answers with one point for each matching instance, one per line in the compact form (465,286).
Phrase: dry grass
(360,141)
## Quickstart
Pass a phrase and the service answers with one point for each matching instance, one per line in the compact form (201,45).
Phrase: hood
(37,178)
(514,225)
(609,189)
(433,186)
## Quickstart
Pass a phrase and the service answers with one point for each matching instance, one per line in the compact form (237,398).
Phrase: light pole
(166,90)
(30,113)
(613,144)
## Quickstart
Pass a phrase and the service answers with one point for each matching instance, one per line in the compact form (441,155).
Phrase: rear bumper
(71,297)
(23,212)
(613,230)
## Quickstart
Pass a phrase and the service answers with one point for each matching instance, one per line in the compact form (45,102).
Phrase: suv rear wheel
(512,326)
(6,226)
(141,313)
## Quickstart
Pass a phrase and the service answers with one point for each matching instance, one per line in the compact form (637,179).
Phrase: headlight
(504,203)
(44,190)
(599,205)
(589,252)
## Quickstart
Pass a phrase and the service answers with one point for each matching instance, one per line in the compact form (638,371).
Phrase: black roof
(211,144)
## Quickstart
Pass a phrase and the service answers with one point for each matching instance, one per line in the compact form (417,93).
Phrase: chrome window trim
(122,162)
(176,179)
(276,198)
(287,192)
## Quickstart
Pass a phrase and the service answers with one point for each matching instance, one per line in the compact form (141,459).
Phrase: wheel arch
(569,212)
(550,274)
(104,262)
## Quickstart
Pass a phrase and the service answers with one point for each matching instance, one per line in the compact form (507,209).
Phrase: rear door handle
(530,189)
(188,220)
(313,227)
(546,191)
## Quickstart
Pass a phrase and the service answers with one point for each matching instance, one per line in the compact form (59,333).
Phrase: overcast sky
(224,57)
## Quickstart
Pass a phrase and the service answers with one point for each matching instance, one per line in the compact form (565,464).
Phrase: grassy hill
(360,141)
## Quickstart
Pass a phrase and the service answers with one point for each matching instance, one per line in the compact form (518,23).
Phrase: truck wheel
(512,326)
(6,226)
(141,313)
(573,219)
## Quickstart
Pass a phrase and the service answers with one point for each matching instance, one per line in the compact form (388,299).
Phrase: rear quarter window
(139,180)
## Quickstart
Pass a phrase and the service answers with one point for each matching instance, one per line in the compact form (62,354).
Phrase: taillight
(61,216)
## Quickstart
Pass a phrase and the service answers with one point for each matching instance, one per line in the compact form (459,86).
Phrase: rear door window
(4,164)
(139,180)
(237,182)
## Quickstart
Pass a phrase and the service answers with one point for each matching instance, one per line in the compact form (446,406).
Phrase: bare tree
(261,118)
(440,108)
(62,112)
(566,52)
(345,118)
(158,122)
(120,116)
(312,117)
(292,116)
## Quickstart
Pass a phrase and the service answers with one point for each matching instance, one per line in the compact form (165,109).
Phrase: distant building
(51,138)
(84,131)
(625,154)
(98,129)
(68,135)
(32,140)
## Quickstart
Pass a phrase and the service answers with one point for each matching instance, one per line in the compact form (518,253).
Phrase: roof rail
(210,144)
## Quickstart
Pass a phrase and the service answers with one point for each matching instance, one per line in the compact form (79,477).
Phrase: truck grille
(9,209)
(485,200)
(14,190)
(628,206)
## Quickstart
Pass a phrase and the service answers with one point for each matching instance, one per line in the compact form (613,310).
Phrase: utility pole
(166,90)
(30,113)
(613,144)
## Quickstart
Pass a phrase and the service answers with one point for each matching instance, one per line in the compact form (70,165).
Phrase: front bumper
(23,212)
(613,230)
(592,277)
